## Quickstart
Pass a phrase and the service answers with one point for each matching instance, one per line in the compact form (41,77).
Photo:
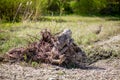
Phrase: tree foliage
(32,9)
(88,6)
(21,9)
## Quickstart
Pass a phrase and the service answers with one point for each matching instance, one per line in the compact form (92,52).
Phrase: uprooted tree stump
(58,49)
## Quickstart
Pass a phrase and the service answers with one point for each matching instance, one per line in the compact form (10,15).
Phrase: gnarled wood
(58,49)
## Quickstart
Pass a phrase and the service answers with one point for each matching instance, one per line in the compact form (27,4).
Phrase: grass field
(83,30)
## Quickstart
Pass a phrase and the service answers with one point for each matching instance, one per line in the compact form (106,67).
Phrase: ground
(102,49)
(101,70)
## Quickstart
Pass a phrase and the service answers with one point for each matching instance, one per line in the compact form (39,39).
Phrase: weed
(34,64)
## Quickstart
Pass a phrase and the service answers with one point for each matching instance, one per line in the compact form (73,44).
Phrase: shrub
(21,9)
(87,6)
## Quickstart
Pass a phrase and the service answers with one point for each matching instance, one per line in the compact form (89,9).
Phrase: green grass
(15,35)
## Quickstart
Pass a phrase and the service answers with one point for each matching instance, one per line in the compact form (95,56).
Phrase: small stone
(52,78)
(1,58)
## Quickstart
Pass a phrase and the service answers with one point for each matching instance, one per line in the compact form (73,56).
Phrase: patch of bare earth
(113,39)
(101,70)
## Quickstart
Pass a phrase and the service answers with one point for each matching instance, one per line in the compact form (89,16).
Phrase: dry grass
(15,35)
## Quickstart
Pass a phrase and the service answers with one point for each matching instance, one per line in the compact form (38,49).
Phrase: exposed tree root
(58,49)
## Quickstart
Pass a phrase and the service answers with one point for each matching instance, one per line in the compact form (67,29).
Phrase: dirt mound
(104,49)
(58,49)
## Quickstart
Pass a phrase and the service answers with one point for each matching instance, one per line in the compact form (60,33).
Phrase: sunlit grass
(15,35)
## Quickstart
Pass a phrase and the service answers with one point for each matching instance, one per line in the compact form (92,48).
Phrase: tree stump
(58,49)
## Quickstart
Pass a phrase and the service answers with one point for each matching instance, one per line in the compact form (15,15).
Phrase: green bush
(21,9)
(17,10)
(8,9)
(87,6)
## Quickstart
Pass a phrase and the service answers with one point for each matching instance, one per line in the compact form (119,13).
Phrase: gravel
(101,70)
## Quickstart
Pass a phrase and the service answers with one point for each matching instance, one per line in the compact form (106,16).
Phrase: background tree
(16,10)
